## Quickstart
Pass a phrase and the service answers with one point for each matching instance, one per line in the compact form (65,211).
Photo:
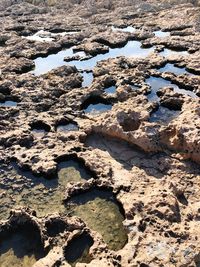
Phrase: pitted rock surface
(152,168)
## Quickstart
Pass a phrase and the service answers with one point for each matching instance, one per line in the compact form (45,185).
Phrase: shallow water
(20,249)
(156,83)
(43,195)
(161,34)
(163,115)
(8,104)
(168,52)
(68,127)
(87,78)
(95,109)
(78,249)
(173,69)
(101,213)
(110,90)
(39,133)
(131,49)
(72,171)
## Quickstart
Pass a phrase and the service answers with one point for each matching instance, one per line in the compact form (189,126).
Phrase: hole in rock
(130,124)
(66,126)
(63,30)
(100,210)
(21,246)
(182,199)
(72,169)
(39,128)
(2,43)
(144,265)
(77,249)
(55,226)
(95,105)
(163,115)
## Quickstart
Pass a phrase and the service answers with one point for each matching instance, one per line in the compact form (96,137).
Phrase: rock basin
(101,212)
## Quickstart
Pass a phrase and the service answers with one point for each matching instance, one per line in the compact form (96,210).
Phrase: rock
(151,167)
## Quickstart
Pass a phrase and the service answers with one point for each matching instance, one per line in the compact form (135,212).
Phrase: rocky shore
(100,133)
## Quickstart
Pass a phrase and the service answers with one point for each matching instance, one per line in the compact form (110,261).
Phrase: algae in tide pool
(21,249)
(46,201)
(42,195)
(72,171)
(78,249)
(101,213)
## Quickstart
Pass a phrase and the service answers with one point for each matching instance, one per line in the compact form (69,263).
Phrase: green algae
(101,212)
(45,196)
(21,249)
(78,249)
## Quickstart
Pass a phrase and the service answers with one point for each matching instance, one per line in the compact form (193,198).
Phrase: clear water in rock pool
(168,52)
(67,127)
(39,132)
(72,171)
(8,104)
(87,78)
(95,109)
(161,34)
(110,90)
(101,213)
(173,69)
(131,49)
(156,83)
(163,115)
(20,249)
(130,29)
(22,188)
(78,249)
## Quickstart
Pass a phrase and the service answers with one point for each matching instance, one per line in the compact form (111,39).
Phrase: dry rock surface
(100,133)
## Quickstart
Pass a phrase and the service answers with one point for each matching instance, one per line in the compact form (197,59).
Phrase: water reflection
(163,115)
(173,69)
(8,104)
(161,34)
(87,78)
(156,83)
(131,49)
(101,212)
(110,90)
